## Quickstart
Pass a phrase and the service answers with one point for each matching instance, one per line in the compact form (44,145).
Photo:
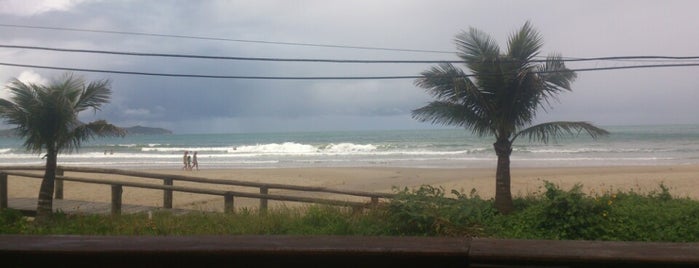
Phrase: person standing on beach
(184,161)
(189,162)
(195,162)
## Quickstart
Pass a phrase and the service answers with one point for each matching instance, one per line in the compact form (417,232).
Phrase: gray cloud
(573,28)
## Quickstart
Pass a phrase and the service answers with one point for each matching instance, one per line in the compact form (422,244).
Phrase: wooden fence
(316,251)
(168,188)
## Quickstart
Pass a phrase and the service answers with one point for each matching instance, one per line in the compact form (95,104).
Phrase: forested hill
(135,130)
(139,130)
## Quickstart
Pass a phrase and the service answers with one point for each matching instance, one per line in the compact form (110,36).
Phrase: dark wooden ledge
(334,251)
(568,253)
(232,251)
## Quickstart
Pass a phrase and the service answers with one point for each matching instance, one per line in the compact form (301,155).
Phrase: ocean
(435,148)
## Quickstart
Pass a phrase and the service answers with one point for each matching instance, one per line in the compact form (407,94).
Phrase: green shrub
(572,215)
(654,217)
(426,211)
(12,222)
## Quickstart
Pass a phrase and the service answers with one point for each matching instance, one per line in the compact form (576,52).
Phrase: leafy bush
(654,217)
(12,222)
(572,215)
(426,211)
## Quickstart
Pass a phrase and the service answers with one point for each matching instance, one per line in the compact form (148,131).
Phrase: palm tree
(47,118)
(501,97)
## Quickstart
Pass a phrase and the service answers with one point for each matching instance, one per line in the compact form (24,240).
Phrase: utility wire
(143,54)
(224,39)
(312,45)
(634,67)
(323,77)
(216,76)
(632,58)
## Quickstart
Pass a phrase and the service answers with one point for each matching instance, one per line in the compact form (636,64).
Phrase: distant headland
(134,130)
(140,130)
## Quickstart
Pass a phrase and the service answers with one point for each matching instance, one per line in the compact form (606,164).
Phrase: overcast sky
(585,28)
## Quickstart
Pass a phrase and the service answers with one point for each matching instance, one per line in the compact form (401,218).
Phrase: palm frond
(554,130)
(11,112)
(24,95)
(518,99)
(453,114)
(555,74)
(524,44)
(440,112)
(476,46)
(22,110)
(69,86)
(83,132)
(103,129)
(449,83)
(94,96)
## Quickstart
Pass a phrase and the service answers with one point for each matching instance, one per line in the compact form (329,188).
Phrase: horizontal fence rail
(224,181)
(168,188)
(205,180)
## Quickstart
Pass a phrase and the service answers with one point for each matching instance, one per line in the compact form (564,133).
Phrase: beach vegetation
(611,216)
(13,222)
(427,211)
(46,117)
(501,96)
(552,213)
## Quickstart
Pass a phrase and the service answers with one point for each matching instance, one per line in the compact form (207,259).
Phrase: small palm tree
(501,97)
(47,118)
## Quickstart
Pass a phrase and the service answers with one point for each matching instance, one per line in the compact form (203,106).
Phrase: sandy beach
(681,179)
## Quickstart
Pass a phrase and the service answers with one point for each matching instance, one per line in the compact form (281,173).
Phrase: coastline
(680,179)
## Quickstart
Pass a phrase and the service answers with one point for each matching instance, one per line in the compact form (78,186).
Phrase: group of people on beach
(190,161)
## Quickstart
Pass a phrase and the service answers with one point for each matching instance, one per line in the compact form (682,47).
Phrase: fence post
(374,200)
(58,186)
(228,205)
(3,191)
(167,194)
(357,209)
(264,190)
(116,199)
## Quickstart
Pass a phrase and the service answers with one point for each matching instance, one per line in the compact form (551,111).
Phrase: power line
(321,77)
(224,39)
(126,53)
(570,59)
(634,67)
(143,54)
(632,58)
(216,76)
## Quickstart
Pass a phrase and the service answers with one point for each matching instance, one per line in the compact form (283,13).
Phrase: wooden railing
(322,251)
(335,251)
(168,188)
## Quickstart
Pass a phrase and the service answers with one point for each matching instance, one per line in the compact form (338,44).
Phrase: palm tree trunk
(44,208)
(503,195)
